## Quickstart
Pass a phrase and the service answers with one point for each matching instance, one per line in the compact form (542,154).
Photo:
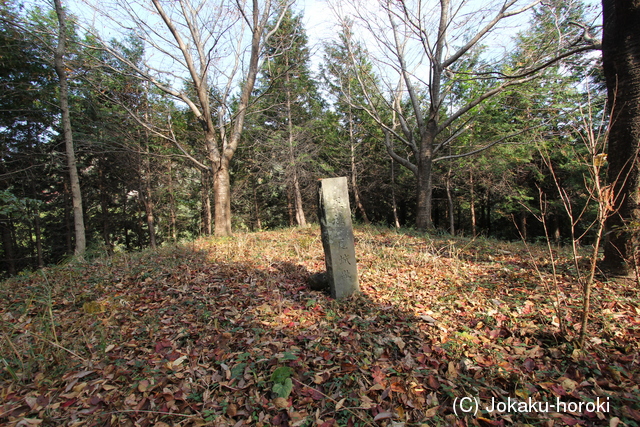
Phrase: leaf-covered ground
(224,332)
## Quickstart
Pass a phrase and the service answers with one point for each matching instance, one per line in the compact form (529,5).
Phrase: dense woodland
(435,126)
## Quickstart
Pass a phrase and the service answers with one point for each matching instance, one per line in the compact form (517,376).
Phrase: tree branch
(489,145)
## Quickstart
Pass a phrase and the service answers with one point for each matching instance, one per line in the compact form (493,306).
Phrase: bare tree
(61,71)
(200,52)
(423,51)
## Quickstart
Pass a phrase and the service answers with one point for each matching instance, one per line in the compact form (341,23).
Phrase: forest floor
(224,332)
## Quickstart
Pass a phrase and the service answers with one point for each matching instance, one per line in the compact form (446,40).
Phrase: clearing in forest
(225,332)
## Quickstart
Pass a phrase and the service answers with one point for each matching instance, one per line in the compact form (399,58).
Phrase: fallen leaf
(29,422)
(452,371)
(131,400)
(232,410)
(297,417)
(570,421)
(143,386)
(366,403)
(569,385)
(383,416)
(429,319)
(177,362)
(281,403)
(430,413)
(399,342)
(433,383)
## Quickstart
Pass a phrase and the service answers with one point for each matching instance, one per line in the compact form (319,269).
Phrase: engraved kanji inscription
(337,236)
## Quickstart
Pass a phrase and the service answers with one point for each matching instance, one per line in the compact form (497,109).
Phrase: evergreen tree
(284,120)
(27,83)
(357,148)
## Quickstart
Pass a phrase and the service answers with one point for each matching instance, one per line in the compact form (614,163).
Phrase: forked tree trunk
(59,65)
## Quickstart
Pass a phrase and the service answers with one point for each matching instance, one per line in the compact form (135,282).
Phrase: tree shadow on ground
(193,335)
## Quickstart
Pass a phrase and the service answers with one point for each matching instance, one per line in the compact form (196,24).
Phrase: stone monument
(337,237)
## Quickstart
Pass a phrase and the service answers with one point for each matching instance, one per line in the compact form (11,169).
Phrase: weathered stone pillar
(337,237)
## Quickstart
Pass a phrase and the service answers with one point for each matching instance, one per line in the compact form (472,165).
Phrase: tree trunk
(556,230)
(222,199)
(450,211)
(206,202)
(148,208)
(523,225)
(59,53)
(472,203)
(140,224)
(488,212)
(621,66)
(173,232)
(423,217)
(104,208)
(301,221)
(356,196)
(67,219)
(290,208)
(147,196)
(36,227)
(7,244)
(394,203)
(256,207)
(297,194)
(354,170)
(127,238)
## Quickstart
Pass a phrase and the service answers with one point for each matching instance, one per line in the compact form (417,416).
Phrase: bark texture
(621,63)
(78,219)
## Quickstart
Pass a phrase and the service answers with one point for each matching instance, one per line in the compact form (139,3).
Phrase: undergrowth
(225,332)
